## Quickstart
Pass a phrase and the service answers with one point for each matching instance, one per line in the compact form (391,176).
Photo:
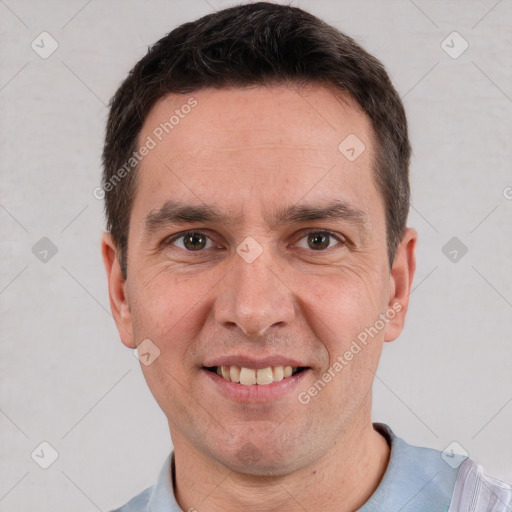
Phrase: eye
(195,241)
(191,241)
(319,240)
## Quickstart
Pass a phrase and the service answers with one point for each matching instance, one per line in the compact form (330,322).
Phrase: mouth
(255,376)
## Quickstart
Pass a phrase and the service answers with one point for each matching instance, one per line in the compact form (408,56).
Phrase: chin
(252,458)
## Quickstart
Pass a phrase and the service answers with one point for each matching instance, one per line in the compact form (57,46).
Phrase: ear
(401,276)
(119,303)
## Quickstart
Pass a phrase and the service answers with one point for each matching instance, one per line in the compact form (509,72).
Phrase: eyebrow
(173,212)
(336,210)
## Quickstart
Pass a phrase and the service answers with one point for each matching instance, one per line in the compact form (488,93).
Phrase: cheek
(166,309)
(343,313)
(346,302)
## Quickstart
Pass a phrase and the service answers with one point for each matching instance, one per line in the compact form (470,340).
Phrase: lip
(254,363)
(255,394)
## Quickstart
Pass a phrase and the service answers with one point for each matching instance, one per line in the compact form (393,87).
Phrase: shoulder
(159,497)
(429,478)
(137,504)
(419,479)
(476,491)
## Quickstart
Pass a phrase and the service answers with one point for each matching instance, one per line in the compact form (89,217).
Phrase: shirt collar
(162,497)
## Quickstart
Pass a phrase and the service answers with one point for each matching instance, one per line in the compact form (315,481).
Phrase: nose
(254,297)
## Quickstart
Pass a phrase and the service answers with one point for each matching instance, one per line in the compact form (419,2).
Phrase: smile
(252,376)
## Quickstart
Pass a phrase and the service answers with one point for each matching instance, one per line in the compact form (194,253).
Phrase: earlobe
(119,303)
(401,277)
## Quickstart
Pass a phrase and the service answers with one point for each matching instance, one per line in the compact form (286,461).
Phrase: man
(256,180)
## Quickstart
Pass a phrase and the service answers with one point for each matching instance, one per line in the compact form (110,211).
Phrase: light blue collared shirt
(416,480)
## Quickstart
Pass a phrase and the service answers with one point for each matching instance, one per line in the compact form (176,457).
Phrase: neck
(342,480)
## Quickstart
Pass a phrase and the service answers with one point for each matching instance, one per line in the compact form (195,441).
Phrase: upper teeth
(249,376)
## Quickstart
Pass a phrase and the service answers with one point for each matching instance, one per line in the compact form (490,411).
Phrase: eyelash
(339,238)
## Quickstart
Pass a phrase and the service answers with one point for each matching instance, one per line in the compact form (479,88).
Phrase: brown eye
(319,240)
(192,241)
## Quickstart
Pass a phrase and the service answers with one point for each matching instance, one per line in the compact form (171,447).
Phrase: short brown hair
(256,44)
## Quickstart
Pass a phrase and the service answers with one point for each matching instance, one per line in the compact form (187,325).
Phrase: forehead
(251,115)
(265,144)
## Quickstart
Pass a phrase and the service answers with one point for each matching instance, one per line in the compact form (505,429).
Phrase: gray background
(66,378)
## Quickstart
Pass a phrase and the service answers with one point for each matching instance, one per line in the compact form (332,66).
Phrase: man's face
(270,280)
